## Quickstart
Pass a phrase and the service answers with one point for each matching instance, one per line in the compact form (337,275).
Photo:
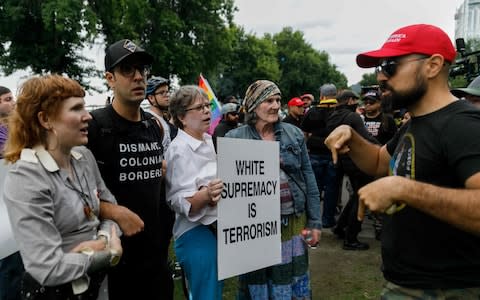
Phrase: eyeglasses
(389,67)
(200,107)
(129,70)
(162,93)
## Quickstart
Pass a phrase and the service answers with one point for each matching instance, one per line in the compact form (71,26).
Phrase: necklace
(87,208)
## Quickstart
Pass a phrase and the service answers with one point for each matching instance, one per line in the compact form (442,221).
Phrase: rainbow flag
(215,108)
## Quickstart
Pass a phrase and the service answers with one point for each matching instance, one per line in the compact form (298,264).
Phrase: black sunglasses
(129,70)
(389,67)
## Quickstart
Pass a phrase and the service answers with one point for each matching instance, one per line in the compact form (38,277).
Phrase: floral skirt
(287,280)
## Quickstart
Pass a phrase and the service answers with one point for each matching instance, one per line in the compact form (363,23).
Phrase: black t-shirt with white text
(129,156)
(382,127)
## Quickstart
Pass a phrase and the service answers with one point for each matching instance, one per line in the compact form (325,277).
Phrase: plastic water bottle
(308,237)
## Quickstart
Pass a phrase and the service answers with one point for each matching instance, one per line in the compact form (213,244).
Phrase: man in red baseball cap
(429,172)
(295,111)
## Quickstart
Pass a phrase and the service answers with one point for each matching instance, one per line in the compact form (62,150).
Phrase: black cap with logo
(122,49)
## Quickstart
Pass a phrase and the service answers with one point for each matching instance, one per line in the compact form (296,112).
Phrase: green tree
(250,59)
(186,37)
(304,69)
(46,36)
(368,79)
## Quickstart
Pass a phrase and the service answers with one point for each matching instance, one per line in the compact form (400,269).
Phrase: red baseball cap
(419,38)
(296,102)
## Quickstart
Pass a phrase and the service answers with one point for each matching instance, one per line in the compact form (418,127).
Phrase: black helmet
(154,82)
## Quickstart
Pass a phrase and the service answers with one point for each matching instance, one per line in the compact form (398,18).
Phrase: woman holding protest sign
(52,193)
(300,199)
(193,191)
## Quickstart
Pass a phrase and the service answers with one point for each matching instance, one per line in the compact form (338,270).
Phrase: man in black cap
(127,144)
(380,125)
(348,226)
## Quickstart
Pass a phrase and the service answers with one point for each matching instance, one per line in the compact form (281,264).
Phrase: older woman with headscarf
(300,199)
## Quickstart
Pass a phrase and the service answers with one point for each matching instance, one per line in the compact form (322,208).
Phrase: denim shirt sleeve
(313,195)
(295,160)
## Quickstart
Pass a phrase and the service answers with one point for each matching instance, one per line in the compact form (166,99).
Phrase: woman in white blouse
(193,191)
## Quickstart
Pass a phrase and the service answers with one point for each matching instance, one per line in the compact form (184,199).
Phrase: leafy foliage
(46,36)
(250,59)
(368,79)
(303,68)
(186,37)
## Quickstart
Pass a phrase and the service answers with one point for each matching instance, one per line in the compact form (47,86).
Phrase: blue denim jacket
(295,162)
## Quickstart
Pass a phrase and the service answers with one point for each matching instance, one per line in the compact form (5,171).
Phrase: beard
(404,99)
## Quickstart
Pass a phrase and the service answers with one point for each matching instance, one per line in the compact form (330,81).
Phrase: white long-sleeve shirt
(191,164)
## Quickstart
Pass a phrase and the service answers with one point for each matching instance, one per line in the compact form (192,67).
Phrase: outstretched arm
(370,158)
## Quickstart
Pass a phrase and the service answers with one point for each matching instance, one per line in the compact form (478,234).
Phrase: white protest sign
(7,243)
(248,227)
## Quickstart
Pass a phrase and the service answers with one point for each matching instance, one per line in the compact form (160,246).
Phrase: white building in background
(467,20)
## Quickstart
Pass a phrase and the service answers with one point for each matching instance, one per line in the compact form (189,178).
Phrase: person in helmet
(157,95)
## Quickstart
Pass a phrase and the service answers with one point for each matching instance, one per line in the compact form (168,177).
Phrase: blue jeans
(327,181)
(11,271)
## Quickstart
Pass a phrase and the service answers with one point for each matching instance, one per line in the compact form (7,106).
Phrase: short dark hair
(345,95)
(4,90)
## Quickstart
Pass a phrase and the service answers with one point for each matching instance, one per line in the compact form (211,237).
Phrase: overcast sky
(342,28)
(345,28)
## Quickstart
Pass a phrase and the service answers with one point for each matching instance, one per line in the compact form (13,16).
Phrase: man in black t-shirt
(315,129)
(431,235)
(127,144)
(348,226)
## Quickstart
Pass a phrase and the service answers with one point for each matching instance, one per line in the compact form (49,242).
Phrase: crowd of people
(104,193)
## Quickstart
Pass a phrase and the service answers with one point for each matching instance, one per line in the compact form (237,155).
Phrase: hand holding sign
(215,188)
